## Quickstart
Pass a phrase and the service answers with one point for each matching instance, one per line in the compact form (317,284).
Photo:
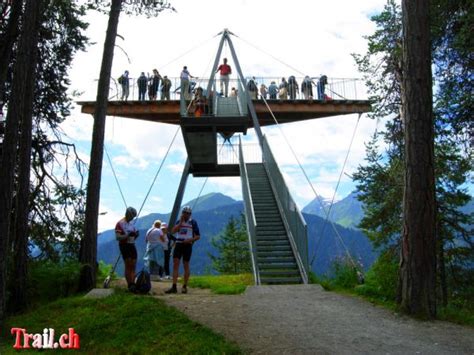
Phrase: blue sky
(313,37)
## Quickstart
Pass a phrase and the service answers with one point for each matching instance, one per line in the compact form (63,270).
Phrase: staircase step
(277,266)
(269,236)
(272,259)
(270,248)
(276,243)
(277,273)
(275,253)
(280,280)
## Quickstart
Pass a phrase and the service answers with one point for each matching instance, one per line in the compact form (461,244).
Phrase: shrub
(345,274)
(49,280)
(382,278)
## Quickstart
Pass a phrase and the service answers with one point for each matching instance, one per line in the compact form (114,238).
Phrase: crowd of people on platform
(287,89)
(161,245)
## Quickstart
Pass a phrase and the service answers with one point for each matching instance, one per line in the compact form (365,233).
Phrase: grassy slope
(120,324)
(223,284)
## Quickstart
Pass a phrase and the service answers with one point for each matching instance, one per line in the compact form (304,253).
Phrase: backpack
(143,282)
(120,80)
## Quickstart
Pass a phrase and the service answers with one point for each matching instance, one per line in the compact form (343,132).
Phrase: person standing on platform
(142,84)
(273,90)
(185,85)
(154,84)
(124,82)
(307,88)
(323,81)
(225,71)
(187,232)
(165,88)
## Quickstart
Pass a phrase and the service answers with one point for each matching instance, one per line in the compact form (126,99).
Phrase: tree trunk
(19,110)
(88,254)
(418,260)
(6,45)
(18,299)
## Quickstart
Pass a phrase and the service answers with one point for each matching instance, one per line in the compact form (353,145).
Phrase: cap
(186,209)
(164,225)
(157,223)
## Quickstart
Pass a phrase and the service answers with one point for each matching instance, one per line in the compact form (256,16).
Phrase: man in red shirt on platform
(225,71)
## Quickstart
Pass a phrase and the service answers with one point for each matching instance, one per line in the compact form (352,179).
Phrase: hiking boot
(184,289)
(172,290)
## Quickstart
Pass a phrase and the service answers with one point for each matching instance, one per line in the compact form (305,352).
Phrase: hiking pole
(109,277)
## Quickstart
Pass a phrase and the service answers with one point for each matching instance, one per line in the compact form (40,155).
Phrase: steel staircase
(227,107)
(276,262)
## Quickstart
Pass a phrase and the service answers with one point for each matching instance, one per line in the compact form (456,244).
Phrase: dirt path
(305,319)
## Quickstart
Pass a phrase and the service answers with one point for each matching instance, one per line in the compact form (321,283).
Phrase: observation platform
(286,111)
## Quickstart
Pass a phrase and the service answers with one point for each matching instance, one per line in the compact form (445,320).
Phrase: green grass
(223,284)
(120,324)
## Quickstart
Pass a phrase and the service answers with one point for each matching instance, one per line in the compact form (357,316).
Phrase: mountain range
(213,211)
(347,212)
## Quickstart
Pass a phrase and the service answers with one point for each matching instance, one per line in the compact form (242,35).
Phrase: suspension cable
(158,172)
(115,176)
(309,181)
(272,56)
(337,186)
(187,52)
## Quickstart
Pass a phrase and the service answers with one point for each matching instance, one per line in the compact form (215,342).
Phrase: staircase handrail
(250,213)
(292,217)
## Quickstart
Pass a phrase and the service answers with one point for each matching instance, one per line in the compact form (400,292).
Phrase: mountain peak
(210,201)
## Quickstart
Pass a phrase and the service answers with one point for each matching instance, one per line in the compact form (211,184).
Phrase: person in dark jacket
(154,85)
(142,83)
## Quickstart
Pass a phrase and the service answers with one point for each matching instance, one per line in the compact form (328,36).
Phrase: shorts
(183,251)
(128,251)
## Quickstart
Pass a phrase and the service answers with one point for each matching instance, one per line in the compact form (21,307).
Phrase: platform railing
(291,214)
(250,218)
(336,88)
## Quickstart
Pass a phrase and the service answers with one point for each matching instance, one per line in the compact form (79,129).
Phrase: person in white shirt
(154,248)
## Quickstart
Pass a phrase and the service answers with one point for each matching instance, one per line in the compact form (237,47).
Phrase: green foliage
(121,324)
(382,278)
(380,181)
(345,274)
(233,248)
(223,284)
(49,280)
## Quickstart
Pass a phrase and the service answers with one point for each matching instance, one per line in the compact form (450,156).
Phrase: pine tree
(380,179)
(233,248)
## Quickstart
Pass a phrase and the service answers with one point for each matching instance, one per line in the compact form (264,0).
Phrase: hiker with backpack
(154,249)
(187,232)
(126,233)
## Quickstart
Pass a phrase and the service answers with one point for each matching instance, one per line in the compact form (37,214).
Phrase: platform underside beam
(286,111)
